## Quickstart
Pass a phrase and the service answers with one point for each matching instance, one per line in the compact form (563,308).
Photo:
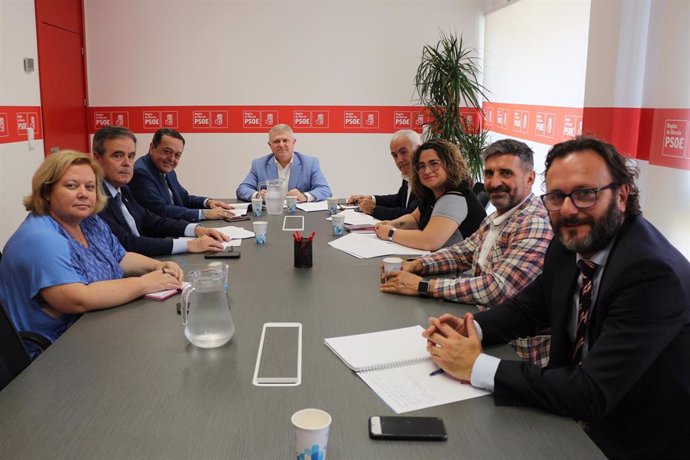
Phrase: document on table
(410,388)
(236,232)
(240,208)
(232,243)
(313,206)
(367,245)
(353,217)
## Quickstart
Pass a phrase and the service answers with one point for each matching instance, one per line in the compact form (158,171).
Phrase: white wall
(243,52)
(646,68)
(536,54)
(17,163)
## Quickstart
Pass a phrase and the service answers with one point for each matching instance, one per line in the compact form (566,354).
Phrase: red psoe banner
(253,119)
(15,121)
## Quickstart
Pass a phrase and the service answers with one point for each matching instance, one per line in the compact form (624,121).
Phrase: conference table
(126,383)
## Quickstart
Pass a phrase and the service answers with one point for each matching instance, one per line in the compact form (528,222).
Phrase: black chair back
(13,355)
(482,196)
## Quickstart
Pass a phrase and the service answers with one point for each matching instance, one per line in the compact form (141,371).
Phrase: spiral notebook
(396,365)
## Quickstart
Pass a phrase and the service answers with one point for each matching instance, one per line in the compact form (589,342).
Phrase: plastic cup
(257,206)
(291,204)
(311,434)
(338,223)
(260,230)
(392,264)
(332,206)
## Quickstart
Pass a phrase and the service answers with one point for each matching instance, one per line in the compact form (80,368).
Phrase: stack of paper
(367,245)
(240,208)
(353,217)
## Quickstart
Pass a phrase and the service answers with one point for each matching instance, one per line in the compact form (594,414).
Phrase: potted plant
(447,82)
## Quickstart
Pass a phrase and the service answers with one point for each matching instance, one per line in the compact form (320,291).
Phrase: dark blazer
(153,228)
(633,387)
(389,207)
(151,191)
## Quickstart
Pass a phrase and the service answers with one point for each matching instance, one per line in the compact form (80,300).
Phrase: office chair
(13,356)
(482,196)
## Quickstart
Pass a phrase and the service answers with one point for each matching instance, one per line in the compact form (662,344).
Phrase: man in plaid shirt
(499,259)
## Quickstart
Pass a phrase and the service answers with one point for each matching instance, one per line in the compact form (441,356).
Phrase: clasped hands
(301,197)
(218,210)
(453,344)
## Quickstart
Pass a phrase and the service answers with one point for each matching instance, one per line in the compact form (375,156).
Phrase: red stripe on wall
(259,119)
(660,136)
(14,121)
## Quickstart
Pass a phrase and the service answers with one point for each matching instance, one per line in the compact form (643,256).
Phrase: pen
(437,372)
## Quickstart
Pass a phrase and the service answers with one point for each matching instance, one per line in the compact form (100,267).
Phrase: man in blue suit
(390,207)
(155,185)
(137,228)
(303,175)
(616,296)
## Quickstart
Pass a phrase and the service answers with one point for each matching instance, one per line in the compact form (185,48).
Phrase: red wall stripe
(259,119)
(14,120)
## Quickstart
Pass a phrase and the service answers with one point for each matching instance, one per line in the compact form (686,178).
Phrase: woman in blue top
(448,210)
(63,260)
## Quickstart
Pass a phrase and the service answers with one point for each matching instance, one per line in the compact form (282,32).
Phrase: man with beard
(616,296)
(504,255)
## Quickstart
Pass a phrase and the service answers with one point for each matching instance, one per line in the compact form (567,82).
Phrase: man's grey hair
(280,129)
(511,147)
(410,135)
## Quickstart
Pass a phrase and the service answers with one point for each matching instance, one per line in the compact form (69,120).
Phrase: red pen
(313,234)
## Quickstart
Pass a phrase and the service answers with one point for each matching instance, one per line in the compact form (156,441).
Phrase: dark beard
(601,234)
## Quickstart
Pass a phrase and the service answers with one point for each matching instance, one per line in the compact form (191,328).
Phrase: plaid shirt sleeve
(456,258)
(516,260)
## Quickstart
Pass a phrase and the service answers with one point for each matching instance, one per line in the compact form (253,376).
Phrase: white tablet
(293,223)
(279,359)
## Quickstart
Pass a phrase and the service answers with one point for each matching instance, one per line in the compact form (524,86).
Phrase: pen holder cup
(303,253)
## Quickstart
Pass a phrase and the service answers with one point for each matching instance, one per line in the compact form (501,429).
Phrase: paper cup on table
(260,230)
(392,264)
(332,205)
(291,202)
(338,223)
(311,434)
(257,205)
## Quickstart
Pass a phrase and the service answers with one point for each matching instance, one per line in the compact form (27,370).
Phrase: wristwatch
(391,232)
(423,288)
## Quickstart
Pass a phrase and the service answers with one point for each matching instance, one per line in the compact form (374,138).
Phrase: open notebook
(396,365)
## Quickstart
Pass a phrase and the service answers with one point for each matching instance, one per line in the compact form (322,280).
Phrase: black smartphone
(236,218)
(223,255)
(407,428)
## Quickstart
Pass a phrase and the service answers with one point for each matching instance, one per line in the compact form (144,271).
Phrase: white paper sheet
(367,245)
(409,388)
(357,218)
(236,232)
(313,206)
(240,208)
(233,243)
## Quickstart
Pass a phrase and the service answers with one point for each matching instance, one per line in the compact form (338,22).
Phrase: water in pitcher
(208,322)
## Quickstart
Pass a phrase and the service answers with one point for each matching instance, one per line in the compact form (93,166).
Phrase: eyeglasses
(582,198)
(433,165)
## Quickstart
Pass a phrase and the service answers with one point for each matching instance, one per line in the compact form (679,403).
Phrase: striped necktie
(587,268)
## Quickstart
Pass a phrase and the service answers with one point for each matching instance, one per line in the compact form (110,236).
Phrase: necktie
(126,214)
(587,268)
(170,193)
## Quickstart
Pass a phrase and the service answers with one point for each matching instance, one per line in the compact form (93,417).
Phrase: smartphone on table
(407,428)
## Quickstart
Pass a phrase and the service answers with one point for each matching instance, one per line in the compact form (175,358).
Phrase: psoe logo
(353,119)
(201,120)
(120,118)
(301,118)
(675,138)
(3,125)
(320,119)
(402,120)
(219,119)
(101,119)
(251,119)
(371,119)
(152,120)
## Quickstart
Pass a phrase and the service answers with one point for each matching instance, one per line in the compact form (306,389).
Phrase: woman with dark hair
(448,212)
